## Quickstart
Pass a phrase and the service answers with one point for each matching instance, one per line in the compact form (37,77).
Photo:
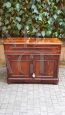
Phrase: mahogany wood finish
(32,60)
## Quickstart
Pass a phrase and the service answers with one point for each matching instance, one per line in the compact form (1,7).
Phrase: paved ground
(32,99)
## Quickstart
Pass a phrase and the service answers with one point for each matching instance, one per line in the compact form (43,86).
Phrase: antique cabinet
(32,61)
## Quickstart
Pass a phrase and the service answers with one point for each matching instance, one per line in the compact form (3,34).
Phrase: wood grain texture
(32,62)
(32,41)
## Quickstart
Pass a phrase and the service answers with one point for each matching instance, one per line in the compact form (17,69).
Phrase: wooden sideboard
(32,61)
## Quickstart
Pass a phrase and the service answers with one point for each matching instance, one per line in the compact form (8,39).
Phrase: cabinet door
(51,65)
(45,67)
(18,66)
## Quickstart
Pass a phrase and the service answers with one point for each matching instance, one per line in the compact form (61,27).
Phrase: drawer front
(32,57)
(14,46)
(35,49)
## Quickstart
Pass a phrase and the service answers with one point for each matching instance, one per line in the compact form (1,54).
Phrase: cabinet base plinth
(33,81)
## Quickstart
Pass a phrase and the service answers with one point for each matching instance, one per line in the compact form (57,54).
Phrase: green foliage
(39,18)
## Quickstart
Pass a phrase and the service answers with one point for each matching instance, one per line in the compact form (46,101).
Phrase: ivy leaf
(38,34)
(50,21)
(55,16)
(33,7)
(57,1)
(27,27)
(48,33)
(59,11)
(39,17)
(19,26)
(43,33)
(56,34)
(62,24)
(45,13)
(36,11)
(4,28)
(34,30)
(49,2)
(6,21)
(7,5)
(38,0)
(18,19)
(10,9)
(18,7)
(21,12)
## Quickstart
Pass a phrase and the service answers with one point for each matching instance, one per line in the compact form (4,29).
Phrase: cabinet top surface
(32,41)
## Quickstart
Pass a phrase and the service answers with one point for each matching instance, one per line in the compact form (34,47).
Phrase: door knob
(33,75)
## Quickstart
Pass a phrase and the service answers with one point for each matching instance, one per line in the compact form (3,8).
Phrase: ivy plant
(32,18)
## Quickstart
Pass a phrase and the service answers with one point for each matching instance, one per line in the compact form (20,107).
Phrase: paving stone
(32,99)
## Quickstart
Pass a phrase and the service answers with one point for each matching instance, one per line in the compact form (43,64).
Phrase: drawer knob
(33,75)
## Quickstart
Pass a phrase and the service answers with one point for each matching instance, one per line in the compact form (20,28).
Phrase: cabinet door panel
(45,68)
(49,68)
(18,67)
(39,71)
(51,65)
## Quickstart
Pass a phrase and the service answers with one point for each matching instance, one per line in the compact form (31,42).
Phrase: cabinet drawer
(18,57)
(14,46)
(32,57)
(33,49)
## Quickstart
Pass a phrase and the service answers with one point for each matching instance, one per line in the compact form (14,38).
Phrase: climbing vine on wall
(39,18)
